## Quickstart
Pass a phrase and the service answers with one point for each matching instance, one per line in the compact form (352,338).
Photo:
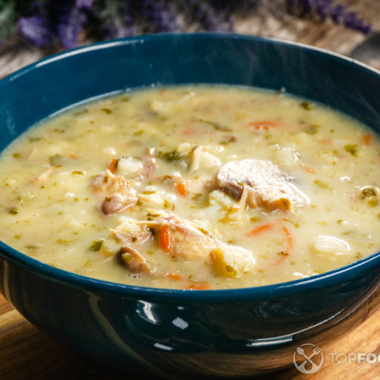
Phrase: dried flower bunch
(48,22)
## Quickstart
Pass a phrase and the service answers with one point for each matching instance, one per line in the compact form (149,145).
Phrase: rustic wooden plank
(5,306)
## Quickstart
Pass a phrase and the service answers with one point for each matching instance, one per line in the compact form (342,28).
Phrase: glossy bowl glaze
(185,333)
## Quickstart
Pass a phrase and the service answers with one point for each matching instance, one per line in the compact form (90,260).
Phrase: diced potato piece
(232,261)
(330,247)
(287,156)
(185,148)
(218,197)
(128,165)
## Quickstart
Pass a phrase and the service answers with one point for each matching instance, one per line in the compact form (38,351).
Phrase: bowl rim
(316,282)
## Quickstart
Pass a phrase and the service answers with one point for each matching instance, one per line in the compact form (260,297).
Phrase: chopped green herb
(352,148)
(216,125)
(283,253)
(56,160)
(373,202)
(106,110)
(228,140)
(62,241)
(306,106)
(196,197)
(32,246)
(13,211)
(33,139)
(96,245)
(322,185)
(16,155)
(170,156)
(312,129)
(77,172)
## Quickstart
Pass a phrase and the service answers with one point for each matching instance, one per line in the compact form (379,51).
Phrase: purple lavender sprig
(338,13)
(118,19)
(35,29)
(46,22)
(159,15)
(70,25)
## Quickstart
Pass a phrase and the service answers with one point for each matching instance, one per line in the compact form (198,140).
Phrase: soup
(196,187)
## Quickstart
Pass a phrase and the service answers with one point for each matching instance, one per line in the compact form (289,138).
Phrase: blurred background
(30,30)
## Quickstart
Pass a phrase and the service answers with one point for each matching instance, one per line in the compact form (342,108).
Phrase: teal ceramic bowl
(184,333)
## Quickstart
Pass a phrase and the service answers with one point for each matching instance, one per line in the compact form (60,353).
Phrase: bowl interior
(65,80)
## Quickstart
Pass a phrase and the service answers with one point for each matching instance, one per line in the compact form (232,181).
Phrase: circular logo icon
(312,358)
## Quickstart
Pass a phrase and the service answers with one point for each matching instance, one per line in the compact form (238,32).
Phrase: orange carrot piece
(165,238)
(307,168)
(289,239)
(263,228)
(367,139)
(199,286)
(264,124)
(289,247)
(181,188)
(190,132)
(174,276)
(113,165)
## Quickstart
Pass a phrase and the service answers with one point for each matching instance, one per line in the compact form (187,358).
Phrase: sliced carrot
(199,286)
(263,228)
(307,168)
(289,247)
(289,239)
(190,132)
(165,238)
(181,188)
(113,165)
(264,124)
(73,155)
(367,139)
(174,276)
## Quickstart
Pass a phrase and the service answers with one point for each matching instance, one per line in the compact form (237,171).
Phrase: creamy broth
(198,187)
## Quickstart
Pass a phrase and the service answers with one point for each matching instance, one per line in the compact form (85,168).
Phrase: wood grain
(26,353)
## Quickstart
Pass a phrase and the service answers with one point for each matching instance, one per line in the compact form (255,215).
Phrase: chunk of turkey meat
(267,185)
(119,193)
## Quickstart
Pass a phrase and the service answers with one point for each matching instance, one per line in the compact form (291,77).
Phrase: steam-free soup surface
(194,188)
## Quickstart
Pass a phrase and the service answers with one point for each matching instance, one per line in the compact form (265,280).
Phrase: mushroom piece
(267,185)
(131,259)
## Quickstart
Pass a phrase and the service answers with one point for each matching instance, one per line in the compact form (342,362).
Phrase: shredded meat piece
(120,194)
(267,185)
(130,258)
(187,240)
(149,164)
(182,238)
(125,237)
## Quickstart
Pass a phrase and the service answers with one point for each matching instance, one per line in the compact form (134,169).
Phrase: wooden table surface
(26,353)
